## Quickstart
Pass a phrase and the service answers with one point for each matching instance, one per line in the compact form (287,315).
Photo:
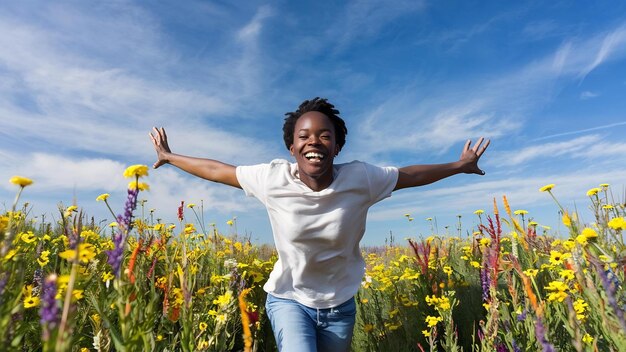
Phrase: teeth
(311,155)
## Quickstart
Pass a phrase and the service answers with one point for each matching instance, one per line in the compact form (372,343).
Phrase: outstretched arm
(419,175)
(208,169)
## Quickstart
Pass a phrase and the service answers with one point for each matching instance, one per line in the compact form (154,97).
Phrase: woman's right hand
(159,140)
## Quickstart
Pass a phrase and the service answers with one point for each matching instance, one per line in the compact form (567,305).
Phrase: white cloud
(572,148)
(365,18)
(611,43)
(522,192)
(588,95)
(596,128)
(60,173)
(252,30)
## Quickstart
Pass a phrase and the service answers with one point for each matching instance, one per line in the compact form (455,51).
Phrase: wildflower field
(141,285)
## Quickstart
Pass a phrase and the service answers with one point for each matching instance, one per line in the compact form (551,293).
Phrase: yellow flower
(593,192)
(202,326)
(547,188)
(432,321)
(567,274)
(190,205)
(566,220)
(204,344)
(43,258)
(224,299)
(447,270)
(21,181)
(580,306)
(587,339)
(102,197)
(10,255)
(30,302)
(86,252)
(581,239)
(557,286)
(557,296)
(368,328)
(71,208)
(558,257)
(230,223)
(77,294)
(608,207)
(136,171)
(28,237)
(569,245)
(142,186)
(108,276)
(589,233)
(221,318)
(531,272)
(533,223)
(520,212)
(159,337)
(485,241)
(617,223)
(84,349)
(479,211)
(475,264)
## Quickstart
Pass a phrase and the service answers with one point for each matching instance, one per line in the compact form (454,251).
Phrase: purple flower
(484,280)
(124,221)
(540,333)
(3,284)
(611,291)
(516,348)
(522,316)
(501,348)
(49,310)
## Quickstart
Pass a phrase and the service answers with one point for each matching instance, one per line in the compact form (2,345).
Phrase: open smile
(315,156)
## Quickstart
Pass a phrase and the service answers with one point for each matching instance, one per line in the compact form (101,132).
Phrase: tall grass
(138,284)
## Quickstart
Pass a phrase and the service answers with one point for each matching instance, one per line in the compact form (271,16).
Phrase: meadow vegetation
(69,283)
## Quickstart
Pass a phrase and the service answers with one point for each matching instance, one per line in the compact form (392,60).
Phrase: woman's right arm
(207,169)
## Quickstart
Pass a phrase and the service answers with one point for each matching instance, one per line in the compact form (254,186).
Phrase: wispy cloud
(610,43)
(588,95)
(363,19)
(251,31)
(522,192)
(571,149)
(568,133)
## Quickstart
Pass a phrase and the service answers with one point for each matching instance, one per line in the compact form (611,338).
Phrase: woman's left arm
(419,175)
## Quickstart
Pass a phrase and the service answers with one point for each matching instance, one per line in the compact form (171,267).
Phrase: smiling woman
(317,210)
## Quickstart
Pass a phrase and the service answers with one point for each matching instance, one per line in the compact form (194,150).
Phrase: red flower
(180,210)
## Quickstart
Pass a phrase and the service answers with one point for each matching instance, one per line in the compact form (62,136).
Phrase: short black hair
(320,105)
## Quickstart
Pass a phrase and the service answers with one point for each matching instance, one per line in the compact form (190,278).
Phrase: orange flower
(131,262)
(245,320)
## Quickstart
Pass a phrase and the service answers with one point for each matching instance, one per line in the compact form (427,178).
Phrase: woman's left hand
(471,155)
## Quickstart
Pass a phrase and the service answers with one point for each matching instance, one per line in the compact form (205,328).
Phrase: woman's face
(314,146)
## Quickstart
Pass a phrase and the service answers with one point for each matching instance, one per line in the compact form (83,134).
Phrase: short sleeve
(382,181)
(253,180)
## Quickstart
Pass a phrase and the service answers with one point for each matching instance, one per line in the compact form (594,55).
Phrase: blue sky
(82,83)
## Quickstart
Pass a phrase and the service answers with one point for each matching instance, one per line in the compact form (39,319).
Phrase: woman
(317,210)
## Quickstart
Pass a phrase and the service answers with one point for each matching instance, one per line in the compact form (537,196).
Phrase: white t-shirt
(317,234)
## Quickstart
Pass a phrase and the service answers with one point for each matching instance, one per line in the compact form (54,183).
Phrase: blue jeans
(298,328)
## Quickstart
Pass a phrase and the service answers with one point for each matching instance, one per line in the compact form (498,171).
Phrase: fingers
(482,149)
(467,145)
(477,145)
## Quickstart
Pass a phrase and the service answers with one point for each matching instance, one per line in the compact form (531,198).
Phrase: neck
(316,184)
